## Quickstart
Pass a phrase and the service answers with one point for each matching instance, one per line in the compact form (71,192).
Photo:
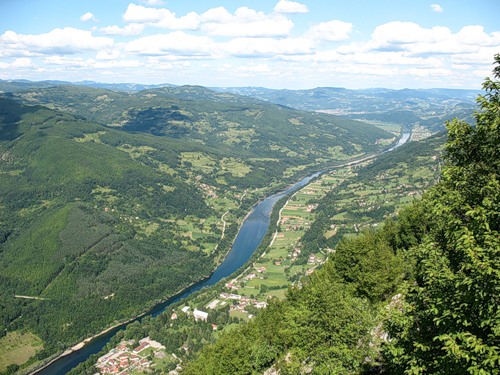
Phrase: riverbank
(247,240)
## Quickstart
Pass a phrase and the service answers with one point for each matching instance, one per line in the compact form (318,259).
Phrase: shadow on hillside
(11,113)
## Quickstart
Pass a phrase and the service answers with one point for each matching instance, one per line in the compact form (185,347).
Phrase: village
(124,360)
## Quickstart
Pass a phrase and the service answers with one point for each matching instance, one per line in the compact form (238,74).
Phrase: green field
(17,348)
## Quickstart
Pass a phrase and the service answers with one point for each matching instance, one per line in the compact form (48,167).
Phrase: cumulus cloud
(331,31)
(175,43)
(108,54)
(65,61)
(437,8)
(161,17)
(286,6)
(19,63)
(61,41)
(397,35)
(268,47)
(245,22)
(22,62)
(414,39)
(130,29)
(87,17)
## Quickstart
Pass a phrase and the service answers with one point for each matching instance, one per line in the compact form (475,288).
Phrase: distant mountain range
(23,84)
(428,108)
(410,108)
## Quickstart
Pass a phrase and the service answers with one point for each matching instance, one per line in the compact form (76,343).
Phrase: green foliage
(371,264)
(72,208)
(446,320)
(450,322)
(321,325)
(265,138)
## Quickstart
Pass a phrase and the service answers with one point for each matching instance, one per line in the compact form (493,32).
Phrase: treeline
(418,296)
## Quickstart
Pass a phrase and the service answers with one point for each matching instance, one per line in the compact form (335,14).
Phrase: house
(185,309)
(151,343)
(260,305)
(214,327)
(231,286)
(200,315)
(173,316)
(212,305)
(141,347)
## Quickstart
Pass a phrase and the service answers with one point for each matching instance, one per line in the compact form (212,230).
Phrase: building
(200,315)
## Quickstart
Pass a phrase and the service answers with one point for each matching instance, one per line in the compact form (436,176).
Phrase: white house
(200,315)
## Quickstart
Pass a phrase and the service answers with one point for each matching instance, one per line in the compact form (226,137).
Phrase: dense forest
(419,295)
(99,221)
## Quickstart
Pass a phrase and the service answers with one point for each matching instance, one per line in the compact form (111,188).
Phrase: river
(249,236)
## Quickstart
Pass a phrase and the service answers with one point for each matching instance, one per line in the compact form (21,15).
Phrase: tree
(449,322)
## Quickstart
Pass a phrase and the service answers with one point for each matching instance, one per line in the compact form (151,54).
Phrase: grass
(235,167)
(18,348)
(92,137)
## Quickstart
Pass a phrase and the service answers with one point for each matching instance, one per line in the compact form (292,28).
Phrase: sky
(279,44)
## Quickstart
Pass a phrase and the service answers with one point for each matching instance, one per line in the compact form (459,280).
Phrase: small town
(124,360)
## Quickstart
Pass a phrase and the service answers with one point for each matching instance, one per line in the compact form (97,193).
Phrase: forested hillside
(110,203)
(418,296)
(86,230)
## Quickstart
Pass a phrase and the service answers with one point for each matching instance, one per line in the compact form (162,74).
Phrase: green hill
(87,228)
(110,202)
(419,295)
(265,140)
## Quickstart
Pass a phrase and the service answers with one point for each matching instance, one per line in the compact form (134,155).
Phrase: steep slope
(89,229)
(439,261)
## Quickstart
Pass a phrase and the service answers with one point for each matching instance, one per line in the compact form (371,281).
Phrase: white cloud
(77,62)
(484,56)
(414,39)
(158,63)
(175,43)
(108,54)
(395,35)
(161,17)
(22,62)
(427,73)
(87,17)
(437,8)
(19,63)
(116,64)
(268,47)
(245,22)
(65,61)
(286,6)
(332,31)
(130,29)
(255,68)
(60,41)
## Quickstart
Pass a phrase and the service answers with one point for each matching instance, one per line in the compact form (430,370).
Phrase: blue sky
(276,44)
